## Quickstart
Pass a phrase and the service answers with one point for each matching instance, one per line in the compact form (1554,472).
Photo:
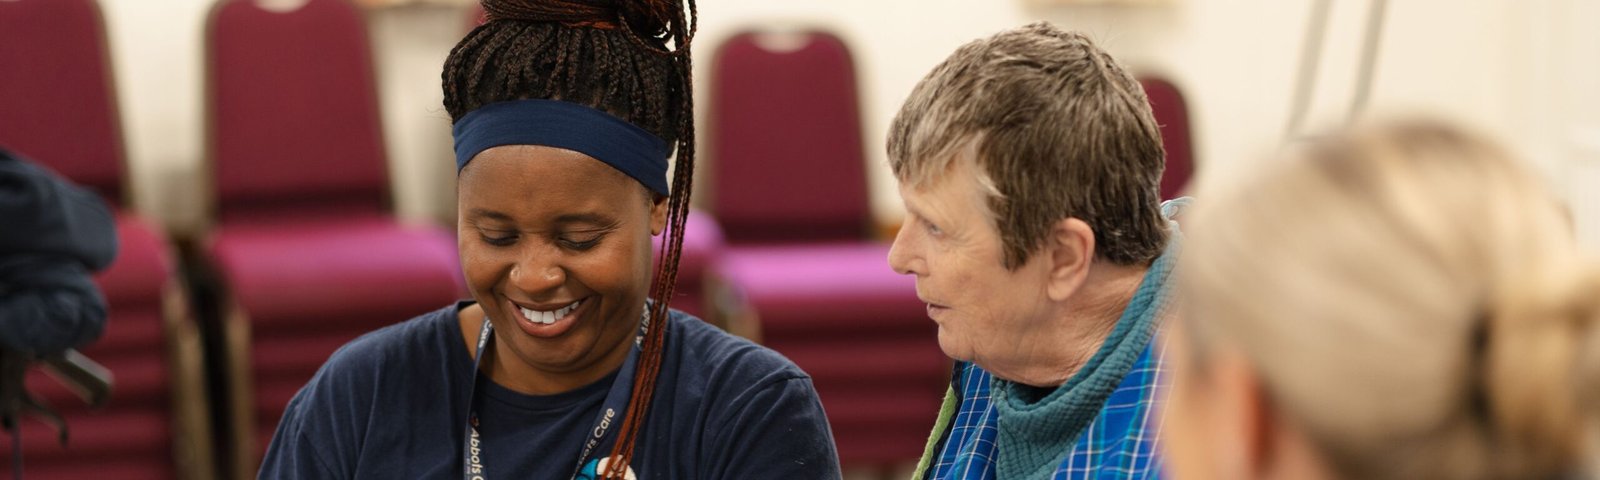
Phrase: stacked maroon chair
(305,246)
(57,108)
(789,188)
(1172,114)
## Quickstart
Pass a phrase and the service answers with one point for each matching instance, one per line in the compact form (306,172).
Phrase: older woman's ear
(1070,250)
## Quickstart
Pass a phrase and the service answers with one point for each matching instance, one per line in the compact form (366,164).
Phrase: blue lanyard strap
(616,402)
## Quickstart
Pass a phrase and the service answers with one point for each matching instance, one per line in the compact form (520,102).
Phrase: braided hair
(628,58)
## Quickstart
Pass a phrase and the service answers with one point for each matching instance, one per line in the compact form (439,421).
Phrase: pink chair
(1172,113)
(703,246)
(305,245)
(60,110)
(789,186)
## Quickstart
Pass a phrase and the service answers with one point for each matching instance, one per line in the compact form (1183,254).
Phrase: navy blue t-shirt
(392,403)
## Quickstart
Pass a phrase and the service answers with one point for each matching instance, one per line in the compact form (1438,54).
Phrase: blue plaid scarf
(1100,424)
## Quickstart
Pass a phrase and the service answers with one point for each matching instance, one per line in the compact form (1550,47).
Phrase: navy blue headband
(551,123)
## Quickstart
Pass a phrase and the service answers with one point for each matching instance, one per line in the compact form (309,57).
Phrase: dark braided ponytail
(628,58)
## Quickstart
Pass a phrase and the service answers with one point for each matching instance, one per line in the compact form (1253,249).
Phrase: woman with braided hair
(565,113)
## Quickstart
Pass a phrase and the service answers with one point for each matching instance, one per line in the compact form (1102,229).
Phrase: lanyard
(615,403)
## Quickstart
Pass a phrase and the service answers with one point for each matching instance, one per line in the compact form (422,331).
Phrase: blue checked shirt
(1120,443)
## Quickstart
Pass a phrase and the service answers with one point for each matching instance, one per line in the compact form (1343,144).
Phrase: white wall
(1522,70)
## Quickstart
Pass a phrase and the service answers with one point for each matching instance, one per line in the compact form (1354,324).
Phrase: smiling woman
(551,252)
(565,113)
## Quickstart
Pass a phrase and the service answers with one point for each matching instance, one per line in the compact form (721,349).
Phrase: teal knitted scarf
(1034,433)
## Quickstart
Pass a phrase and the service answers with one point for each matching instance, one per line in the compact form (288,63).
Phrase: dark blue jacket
(53,236)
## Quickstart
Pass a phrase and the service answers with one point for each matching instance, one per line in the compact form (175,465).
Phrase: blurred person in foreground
(1029,163)
(1399,301)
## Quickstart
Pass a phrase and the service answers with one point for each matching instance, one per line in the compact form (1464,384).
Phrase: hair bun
(646,18)
(562,11)
(1544,356)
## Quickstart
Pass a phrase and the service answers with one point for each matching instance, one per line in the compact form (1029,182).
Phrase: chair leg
(236,329)
(193,446)
(733,311)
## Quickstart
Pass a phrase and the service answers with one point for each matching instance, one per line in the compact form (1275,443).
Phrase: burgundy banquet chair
(58,108)
(305,246)
(1172,114)
(789,187)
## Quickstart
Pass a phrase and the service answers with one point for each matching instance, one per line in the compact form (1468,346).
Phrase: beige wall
(1523,70)
(155,58)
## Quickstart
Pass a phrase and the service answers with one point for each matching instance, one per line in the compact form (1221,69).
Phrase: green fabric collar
(1033,436)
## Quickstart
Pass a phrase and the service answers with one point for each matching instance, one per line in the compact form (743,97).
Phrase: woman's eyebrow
(489,214)
(595,219)
(591,219)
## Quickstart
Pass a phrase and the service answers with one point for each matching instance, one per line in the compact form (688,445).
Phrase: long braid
(681,30)
(615,58)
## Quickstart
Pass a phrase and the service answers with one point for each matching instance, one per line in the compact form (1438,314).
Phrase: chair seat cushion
(840,313)
(143,265)
(703,244)
(823,287)
(130,332)
(300,274)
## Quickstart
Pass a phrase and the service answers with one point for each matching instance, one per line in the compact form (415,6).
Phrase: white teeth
(548,318)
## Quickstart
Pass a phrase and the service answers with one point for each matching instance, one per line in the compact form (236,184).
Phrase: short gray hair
(1058,128)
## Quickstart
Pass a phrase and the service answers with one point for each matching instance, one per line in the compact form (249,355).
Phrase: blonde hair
(1412,298)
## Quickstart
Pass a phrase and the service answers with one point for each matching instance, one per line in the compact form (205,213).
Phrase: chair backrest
(787,158)
(476,16)
(57,106)
(1172,114)
(293,111)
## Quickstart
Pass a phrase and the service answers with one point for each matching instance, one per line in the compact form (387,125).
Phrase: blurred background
(234,306)
(1525,70)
